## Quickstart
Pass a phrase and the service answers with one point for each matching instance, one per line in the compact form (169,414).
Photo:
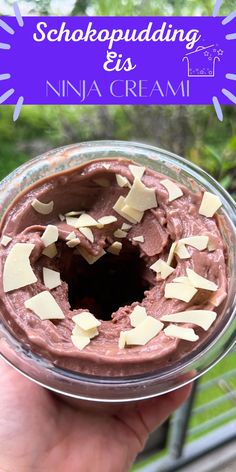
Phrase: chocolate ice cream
(108,268)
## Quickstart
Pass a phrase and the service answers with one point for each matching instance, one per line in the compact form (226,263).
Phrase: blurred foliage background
(193,132)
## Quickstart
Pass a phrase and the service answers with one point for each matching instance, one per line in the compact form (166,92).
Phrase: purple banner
(118,60)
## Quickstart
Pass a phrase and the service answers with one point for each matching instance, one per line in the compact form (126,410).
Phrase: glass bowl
(124,389)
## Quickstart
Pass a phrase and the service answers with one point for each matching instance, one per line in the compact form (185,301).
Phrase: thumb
(155,411)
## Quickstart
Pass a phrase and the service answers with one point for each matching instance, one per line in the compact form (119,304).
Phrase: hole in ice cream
(113,281)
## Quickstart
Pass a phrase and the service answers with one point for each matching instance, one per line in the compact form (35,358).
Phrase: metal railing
(197,427)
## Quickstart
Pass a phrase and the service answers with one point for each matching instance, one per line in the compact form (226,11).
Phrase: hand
(39,432)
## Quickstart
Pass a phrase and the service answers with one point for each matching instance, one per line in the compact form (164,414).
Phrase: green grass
(193,132)
(10,161)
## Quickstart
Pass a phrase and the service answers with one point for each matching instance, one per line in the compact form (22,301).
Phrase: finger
(155,411)
(5,369)
(13,380)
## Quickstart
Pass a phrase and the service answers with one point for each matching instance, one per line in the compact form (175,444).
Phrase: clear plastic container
(124,389)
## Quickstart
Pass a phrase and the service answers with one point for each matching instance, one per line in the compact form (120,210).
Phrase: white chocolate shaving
(71,221)
(133,214)
(180,291)
(188,334)
(137,171)
(42,208)
(137,316)
(61,217)
(51,278)
(87,233)
(50,251)
(163,268)
(202,318)
(73,242)
(217,297)
(50,235)
(178,247)
(166,270)
(139,239)
(173,190)
(86,320)
(107,220)
(91,333)
(182,280)
(198,242)
(5,240)
(71,235)
(121,342)
(122,181)
(106,166)
(126,226)
(157,265)
(181,251)
(118,207)
(143,333)
(45,306)
(80,341)
(120,234)
(140,197)
(115,248)
(209,205)
(171,253)
(85,220)
(91,259)
(200,282)
(73,213)
(17,270)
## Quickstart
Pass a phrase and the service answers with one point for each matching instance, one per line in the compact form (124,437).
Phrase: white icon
(202,61)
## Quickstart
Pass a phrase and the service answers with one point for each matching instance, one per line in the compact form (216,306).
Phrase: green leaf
(214,154)
(226,181)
